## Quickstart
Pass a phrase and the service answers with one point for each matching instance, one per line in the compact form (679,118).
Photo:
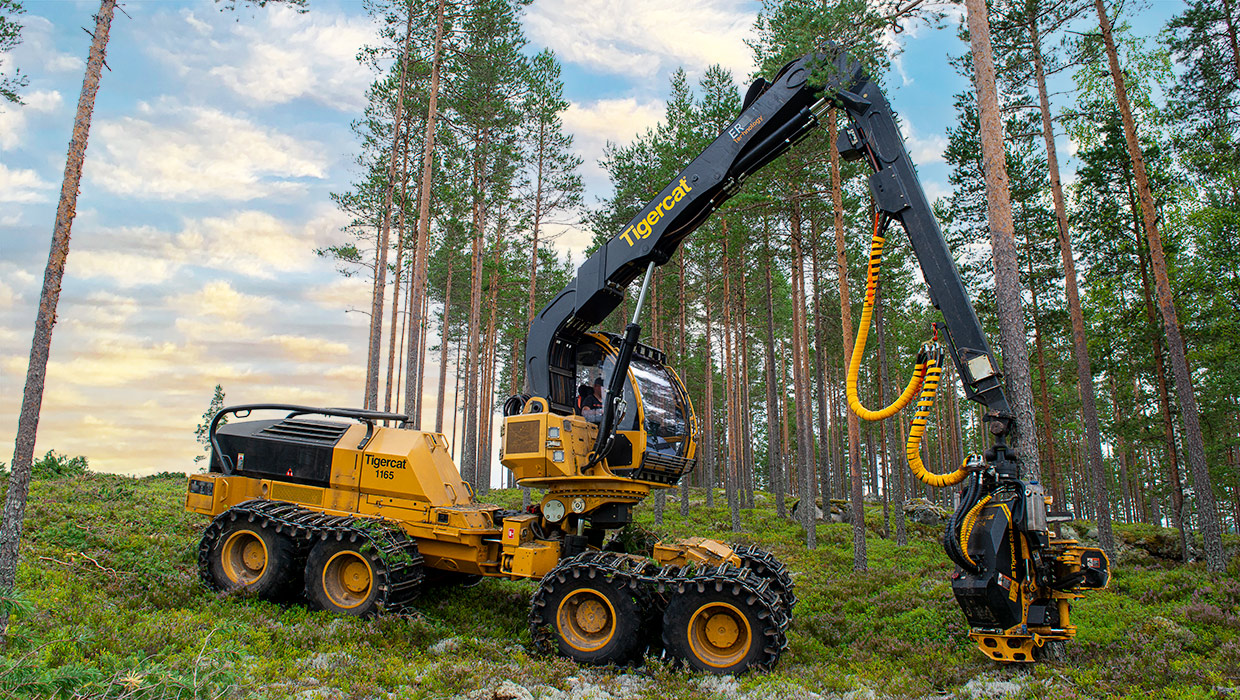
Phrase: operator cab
(658,417)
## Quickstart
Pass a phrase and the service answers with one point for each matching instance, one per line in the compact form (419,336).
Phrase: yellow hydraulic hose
(912,448)
(854,365)
(966,530)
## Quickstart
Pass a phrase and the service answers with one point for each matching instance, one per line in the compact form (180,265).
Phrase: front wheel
(585,615)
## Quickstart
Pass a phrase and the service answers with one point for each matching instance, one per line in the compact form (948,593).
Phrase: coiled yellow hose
(966,530)
(863,332)
(912,448)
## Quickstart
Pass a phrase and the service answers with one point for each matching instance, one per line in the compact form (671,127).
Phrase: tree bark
(45,320)
(773,404)
(400,259)
(894,446)
(443,352)
(1024,444)
(800,383)
(854,429)
(1194,446)
(1080,346)
(415,364)
(374,349)
(1164,405)
(708,453)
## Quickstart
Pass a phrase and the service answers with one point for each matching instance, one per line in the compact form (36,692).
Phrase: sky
(216,142)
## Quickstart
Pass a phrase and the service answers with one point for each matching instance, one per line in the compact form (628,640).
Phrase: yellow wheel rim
(348,579)
(244,557)
(586,620)
(719,634)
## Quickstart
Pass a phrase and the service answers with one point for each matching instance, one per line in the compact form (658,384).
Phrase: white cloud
(617,120)
(642,38)
(180,153)
(37,53)
(276,56)
(250,243)
(924,149)
(219,299)
(22,186)
(13,118)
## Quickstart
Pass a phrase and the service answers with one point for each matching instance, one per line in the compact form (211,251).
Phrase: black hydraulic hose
(951,536)
(615,394)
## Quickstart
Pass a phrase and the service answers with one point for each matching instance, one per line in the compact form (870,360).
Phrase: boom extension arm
(776,116)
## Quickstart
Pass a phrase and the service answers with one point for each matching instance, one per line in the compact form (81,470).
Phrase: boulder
(923,511)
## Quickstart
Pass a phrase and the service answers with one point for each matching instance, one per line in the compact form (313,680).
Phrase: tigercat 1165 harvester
(355,512)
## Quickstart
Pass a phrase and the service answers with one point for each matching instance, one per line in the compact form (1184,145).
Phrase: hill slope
(113,608)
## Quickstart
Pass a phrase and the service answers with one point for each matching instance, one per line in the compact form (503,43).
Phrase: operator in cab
(589,403)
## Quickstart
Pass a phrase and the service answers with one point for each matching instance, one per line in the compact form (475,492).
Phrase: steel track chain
(766,565)
(403,572)
(651,585)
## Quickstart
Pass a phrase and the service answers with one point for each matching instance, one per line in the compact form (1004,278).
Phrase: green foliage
(202,433)
(58,466)
(113,607)
(10,37)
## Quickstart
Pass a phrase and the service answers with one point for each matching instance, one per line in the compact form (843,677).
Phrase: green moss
(113,608)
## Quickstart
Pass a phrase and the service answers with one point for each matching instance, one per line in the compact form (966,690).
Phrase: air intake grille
(306,432)
(297,494)
(524,436)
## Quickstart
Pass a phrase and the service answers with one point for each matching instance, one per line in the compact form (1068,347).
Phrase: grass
(109,606)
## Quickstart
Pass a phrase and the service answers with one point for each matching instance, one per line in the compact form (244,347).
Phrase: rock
(546,692)
(1092,534)
(445,646)
(1069,533)
(989,688)
(504,691)
(923,511)
(722,686)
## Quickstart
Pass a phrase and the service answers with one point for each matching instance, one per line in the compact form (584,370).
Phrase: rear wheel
(724,623)
(346,576)
(247,556)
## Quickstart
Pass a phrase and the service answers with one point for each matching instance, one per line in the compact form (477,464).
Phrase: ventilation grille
(663,469)
(306,432)
(524,436)
(296,494)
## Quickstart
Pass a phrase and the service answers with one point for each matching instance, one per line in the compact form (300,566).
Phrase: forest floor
(110,606)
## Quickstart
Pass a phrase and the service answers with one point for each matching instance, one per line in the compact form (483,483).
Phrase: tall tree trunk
(1080,346)
(443,352)
(1003,244)
(1194,446)
(854,429)
(820,361)
(469,448)
(773,404)
(415,364)
(1049,434)
(1164,404)
(800,383)
(374,349)
(45,320)
(400,259)
(894,446)
(732,449)
(486,407)
(708,453)
(683,355)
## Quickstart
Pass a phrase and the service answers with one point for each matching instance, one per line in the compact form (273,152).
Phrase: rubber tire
(627,635)
(276,581)
(676,621)
(321,553)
